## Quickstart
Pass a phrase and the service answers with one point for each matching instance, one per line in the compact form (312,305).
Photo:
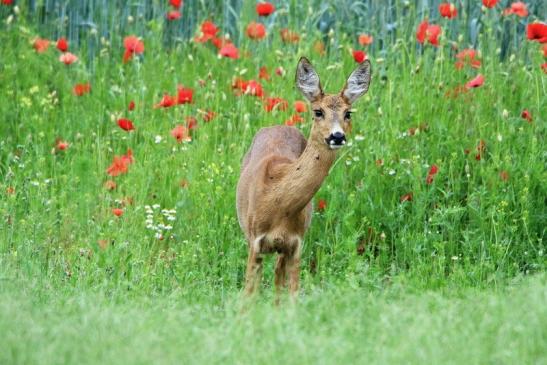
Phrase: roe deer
(282,171)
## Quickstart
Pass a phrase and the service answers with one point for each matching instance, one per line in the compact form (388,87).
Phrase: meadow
(119,158)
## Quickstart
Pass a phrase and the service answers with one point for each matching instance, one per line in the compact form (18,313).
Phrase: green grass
(328,326)
(457,275)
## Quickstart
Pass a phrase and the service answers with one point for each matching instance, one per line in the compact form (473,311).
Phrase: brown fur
(280,174)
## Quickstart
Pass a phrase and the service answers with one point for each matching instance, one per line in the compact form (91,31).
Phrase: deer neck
(305,175)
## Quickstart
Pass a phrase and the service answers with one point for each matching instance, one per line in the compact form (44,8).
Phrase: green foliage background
(466,243)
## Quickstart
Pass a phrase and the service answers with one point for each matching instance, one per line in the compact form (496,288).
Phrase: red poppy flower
(117,212)
(448,10)
(288,36)
(185,95)
(209,28)
(173,15)
(208,31)
(125,124)
(191,122)
(120,164)
(254,88)
(81,89)
(62,45)
(421,31)
(275,103)
(476,82)
(256,30)
(7,2)
(431,174)
(229,51)
(280,71)
(544,67)
(68,58)
(294,119)
(467,56)
(209,116)
(359,56)
(131,106)
(128,157)
(264,9)
(537,32)
(300,106)
(406,198)
(518,8)
(175,3)
(526,115)
(251,87)
(166,102)
(289,122)
(181,134)
(433,32)
(321,205)
(489,3)
(365,39)
(40,45)
(132,46)
(263,73)
(220,42)
(429,32)
(239,83)
(62,145)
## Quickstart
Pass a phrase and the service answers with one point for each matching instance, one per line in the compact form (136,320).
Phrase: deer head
(331,112)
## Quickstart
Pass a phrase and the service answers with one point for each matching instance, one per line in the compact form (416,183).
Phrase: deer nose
(338,138)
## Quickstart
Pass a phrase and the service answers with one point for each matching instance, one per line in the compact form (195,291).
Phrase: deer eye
(347,115)
(318,113)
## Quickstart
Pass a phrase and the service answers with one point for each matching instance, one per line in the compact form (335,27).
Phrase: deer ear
(307,80)
(358,82)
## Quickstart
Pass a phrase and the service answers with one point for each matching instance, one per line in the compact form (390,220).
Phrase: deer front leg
(254,270)
(280,276)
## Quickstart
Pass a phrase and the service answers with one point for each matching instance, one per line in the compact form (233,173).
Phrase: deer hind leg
(280,275)
(293,270)
(254,269)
